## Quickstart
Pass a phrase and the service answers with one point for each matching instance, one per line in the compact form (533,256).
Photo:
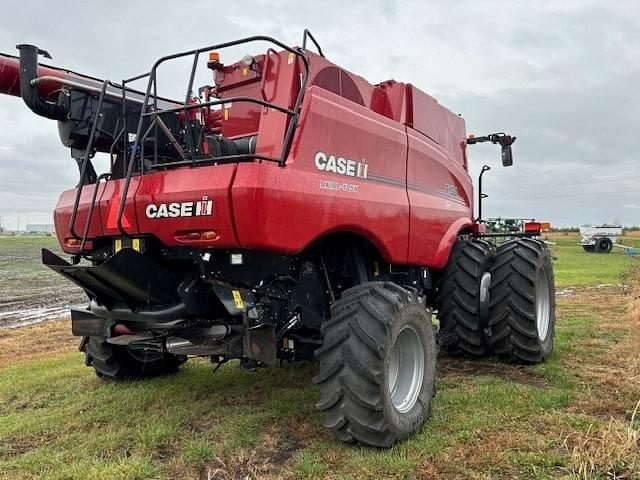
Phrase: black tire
(463,316)
(589,248)
(355,356)
(117,363)
(604,245)
(520,277)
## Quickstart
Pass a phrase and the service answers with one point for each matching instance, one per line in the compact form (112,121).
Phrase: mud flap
(86,324)
(260,343)
(127,277)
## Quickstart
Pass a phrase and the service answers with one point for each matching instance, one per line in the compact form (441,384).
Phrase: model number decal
(340,187)
(341,165)
(197,208)
(451,190)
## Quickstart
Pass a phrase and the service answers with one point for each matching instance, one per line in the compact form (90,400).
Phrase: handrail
(243,156)
(153,81)
(87,224)
(306,34)
(223,101)
(265,72)
(85,160)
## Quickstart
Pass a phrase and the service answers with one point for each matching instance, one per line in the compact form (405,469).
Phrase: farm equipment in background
(289,211)
(515,227)
(600,238)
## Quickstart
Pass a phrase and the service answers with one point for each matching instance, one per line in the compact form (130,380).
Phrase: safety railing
(149,110)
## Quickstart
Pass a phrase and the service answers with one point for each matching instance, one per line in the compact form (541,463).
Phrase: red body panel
(399,175)
(440,195)
(293,208)
(181,185)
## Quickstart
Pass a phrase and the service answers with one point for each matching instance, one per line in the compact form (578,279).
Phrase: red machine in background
(290,210)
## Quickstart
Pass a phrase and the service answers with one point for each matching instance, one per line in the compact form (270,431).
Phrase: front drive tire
(377,365)
(522,311)
(117,363)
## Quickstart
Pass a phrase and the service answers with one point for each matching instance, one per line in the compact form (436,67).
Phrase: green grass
(58,421)
(574,266)
(20,262)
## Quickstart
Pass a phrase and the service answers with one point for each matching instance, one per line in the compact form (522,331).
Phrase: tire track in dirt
(18,309)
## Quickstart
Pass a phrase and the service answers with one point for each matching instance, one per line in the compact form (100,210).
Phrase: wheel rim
(542,305)
(406,369)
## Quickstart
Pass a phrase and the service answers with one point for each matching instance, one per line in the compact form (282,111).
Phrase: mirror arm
(501,138)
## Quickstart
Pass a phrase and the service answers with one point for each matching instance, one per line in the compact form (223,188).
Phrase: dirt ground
(36,341)
(29,291)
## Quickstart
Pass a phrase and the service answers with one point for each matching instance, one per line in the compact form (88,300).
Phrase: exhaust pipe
(29,91)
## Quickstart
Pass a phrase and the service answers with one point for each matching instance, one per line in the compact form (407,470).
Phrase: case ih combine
(291,210)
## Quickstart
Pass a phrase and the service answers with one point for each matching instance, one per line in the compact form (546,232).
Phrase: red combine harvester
(291,210)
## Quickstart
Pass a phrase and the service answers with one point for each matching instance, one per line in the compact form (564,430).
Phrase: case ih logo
(341,165)
(198,208)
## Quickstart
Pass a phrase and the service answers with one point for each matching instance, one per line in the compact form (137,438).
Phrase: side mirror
(507,157)
(503,139)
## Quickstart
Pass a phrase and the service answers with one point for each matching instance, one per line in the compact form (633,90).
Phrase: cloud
(561,76)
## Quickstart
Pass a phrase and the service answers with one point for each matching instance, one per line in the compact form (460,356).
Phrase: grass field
(568,418)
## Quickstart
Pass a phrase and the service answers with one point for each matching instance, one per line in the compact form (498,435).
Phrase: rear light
(197,235)
(76,243)
(72,242)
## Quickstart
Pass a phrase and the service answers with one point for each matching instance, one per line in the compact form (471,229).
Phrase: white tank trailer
(599,238)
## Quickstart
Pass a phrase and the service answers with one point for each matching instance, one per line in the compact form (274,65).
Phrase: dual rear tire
(463,298)
(522,308)
(498,301)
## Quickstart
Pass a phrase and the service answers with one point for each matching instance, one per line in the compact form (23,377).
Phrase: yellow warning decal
(226,114)
(237,299)
(290,58)
(245,71)
(135,244)
(117,245)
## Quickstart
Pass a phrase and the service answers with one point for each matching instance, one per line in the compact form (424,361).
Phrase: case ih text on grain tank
(289,210)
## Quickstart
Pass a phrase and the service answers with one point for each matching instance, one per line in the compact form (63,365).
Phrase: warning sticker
(237,299)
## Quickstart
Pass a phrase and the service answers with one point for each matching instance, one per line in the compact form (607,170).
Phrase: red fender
(446,244)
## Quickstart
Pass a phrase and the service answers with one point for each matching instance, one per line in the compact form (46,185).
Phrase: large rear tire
(463,298)
(377,365)
(522,312)
(118,363)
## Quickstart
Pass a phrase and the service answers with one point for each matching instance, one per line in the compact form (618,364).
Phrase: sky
(561,76)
